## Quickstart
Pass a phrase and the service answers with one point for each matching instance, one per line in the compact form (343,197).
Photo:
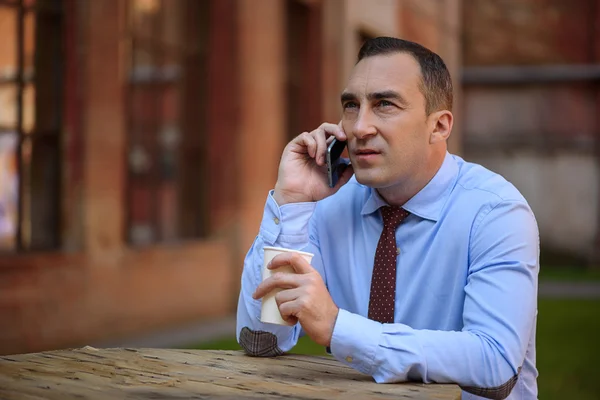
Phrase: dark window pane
(29,43)
(141,229)
(29,113)
(160,80)
(9,191)
(30,133)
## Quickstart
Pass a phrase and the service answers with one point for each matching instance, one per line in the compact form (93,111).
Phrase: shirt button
(397,251)
(349,359)
(276,220)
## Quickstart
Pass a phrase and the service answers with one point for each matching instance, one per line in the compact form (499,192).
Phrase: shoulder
(477,181)
(493,198)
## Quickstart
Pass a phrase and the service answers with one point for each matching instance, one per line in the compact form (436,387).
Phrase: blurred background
(139,139)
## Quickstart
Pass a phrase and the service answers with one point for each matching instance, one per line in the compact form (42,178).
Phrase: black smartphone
(334,161)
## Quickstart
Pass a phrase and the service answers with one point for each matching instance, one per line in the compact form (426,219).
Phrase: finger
(319,136)
(341,128)
(287,295)
(333,129)
(295,260)
(287,316)
(278,280)
(289,310)
(307,141)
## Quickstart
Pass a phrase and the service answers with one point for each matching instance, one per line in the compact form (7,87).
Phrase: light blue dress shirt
(466,297)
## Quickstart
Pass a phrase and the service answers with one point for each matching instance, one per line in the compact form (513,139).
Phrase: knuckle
(303,137)
(295,258)
(277,277)
(313,287)
(284,308)
(303,303)
(310,291)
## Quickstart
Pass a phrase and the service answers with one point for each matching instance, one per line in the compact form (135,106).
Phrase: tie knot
(393,216)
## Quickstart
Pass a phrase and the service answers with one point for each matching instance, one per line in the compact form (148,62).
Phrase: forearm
(255,337)
(396,352)
(280,227)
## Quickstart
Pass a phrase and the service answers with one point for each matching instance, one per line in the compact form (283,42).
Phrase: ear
(441,126)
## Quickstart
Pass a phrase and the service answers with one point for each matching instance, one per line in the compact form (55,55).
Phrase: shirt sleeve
(498,318)
(285,226)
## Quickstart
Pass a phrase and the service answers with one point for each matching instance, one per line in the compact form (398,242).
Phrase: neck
(400,193)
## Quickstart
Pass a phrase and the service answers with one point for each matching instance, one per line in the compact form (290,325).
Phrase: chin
(371,179)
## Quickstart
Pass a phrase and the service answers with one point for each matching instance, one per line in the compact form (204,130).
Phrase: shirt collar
(430,200)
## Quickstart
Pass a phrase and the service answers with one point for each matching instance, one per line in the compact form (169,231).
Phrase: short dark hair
(436,84)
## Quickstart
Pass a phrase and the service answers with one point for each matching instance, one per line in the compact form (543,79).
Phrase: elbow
(258,343)
(500,376)
(499,392)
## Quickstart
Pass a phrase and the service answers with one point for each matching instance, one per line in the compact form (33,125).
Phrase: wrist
(279,198)
(282,197)
(332,326)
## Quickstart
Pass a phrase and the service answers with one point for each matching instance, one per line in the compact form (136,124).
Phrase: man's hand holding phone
(303,174)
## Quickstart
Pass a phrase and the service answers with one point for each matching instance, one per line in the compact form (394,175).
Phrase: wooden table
(90,373)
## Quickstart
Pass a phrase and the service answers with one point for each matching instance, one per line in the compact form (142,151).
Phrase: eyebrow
(386,94)
(347,96)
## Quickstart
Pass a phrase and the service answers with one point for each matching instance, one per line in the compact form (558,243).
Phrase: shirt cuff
(354,346)
(286,225)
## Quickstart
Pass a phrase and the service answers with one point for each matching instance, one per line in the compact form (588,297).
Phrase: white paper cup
(269,311)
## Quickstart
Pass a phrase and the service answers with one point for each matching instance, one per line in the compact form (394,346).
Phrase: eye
(349,104)
(385,103)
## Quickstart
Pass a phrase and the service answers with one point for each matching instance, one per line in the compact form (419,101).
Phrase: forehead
(398,71)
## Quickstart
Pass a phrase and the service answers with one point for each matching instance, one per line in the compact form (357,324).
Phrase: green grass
(568,349)
(304,346)
(563,266)
(568,274)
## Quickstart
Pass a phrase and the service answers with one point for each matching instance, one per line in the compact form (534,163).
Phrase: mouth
(366,157)
(366,152)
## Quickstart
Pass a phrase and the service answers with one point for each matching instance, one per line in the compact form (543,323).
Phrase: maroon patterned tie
(383,282)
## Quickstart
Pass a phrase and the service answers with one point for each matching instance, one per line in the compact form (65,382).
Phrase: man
(425,265)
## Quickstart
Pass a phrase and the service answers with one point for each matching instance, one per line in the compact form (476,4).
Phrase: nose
(363,125)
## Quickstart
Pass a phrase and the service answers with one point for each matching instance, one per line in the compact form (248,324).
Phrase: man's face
(385,121)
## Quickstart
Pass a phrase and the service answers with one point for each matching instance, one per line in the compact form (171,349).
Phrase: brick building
(532,110)
(139,138)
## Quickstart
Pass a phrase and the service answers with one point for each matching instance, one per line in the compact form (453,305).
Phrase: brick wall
(528,32)
(105,289)
(55,300)
(436,24)
(540,136)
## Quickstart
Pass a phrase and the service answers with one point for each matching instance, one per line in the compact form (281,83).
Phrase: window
(167,121)
(30,123)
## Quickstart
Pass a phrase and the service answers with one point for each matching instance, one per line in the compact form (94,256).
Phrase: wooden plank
(90,373)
